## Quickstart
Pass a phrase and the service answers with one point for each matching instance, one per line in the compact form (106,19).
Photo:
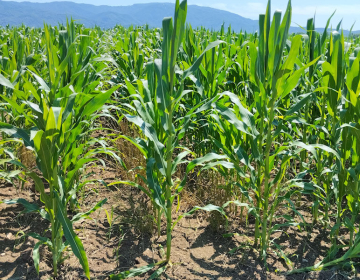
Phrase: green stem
(168,188)
(272,209)
(54,236)
(3,135)
(258,182)
(169,150)
(267,178)
(159,221)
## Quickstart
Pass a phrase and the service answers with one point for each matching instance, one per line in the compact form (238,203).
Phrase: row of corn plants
(274,116)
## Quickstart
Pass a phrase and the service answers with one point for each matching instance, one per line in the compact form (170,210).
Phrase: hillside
(35,14)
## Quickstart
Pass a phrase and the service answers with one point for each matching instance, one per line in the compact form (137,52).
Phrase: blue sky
(348,10)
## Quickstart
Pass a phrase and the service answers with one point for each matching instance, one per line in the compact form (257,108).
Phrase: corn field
(269,121)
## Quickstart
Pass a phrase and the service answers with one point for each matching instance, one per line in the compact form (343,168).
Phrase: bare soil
(199,250)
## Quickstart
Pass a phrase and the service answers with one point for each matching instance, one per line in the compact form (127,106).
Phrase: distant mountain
(35,14)
(320,30)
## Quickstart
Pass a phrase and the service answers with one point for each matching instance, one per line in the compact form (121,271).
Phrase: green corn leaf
(200,162)
(69,107)
(10,174)
(29,207)
(5,82)
(236,202)
(229,115)
(137,144)
(158,272)
(283,256)
(70,177)
(15,132)
(246,116)
(296,107)
(204,159)
(36,256)
(293,80)
(179,25)
(226,164)
(178,160)
(154,184)
(13,161)
(97,101)
(13,104)
(149,132)
(309,148)
(327,149)
(282,35)
(109,219)
(133,272)
(106,59)
(197,63)
(81,216)
(43,84)
(43,239)
(74,241)
(39,186)
(43,148)
(312,149)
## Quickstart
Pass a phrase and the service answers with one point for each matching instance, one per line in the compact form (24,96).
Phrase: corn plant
(157,104)
(56,130)
(53,140)
(275,116)
(274,79)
